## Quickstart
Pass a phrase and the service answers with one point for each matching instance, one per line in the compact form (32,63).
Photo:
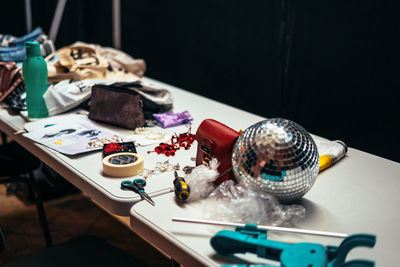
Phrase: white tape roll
(123,164)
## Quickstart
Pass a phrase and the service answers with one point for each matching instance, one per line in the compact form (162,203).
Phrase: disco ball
(277,157)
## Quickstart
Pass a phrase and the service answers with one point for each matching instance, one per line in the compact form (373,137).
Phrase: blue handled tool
(252,240)
(137,186)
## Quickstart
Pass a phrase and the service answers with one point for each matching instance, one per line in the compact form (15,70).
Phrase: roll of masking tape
(123,164)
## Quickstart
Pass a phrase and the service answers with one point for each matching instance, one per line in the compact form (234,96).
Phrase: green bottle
(34,70)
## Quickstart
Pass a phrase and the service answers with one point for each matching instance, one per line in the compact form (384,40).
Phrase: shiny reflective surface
(278,157)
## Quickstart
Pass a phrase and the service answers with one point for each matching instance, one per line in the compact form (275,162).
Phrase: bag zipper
(117,89)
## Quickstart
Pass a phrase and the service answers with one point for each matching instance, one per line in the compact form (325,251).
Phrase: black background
(331,66)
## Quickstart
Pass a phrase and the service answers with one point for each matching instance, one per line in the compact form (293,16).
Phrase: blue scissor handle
(126,183)
(140,182)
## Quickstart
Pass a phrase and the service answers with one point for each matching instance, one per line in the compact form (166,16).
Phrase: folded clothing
(13,48)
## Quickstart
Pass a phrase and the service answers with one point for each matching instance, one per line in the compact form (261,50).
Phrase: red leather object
(216,140)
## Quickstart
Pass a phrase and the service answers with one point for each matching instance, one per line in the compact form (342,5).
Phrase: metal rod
(55,24)
(28,15)
(264,227)
(116,17)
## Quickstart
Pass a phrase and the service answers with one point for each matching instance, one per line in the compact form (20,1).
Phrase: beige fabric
(118,58)
(82,61)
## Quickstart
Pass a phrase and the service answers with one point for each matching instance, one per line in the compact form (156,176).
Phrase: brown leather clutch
(117,106)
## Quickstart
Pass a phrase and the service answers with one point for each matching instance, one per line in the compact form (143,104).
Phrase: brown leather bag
(116,106)
(10,78)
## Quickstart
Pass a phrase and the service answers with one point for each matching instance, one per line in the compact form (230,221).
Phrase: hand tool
(137,186)
(182,190)
(252,238)
(335,155)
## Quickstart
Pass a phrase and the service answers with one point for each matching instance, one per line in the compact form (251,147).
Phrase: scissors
(137,186)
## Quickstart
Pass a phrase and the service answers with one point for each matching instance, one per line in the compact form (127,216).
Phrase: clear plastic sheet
(235,203)
(201,179)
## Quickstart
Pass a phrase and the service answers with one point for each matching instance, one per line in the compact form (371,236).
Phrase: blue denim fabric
(15,51)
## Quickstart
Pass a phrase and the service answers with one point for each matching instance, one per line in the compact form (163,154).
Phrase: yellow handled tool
(328,160)
(182,190)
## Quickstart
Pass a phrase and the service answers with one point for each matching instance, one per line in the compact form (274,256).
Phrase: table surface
(358,194)
(85,170)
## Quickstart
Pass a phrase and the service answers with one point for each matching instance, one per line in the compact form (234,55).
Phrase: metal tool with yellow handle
(182,190)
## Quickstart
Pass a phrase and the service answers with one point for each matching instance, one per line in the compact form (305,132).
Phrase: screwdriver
(336,153)
(182,190)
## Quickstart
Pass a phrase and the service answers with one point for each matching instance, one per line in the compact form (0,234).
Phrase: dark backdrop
(331,66)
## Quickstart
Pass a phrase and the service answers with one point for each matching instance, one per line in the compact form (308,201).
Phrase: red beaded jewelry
(184,140)
(112,147)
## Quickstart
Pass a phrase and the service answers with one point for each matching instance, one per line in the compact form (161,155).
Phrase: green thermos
(34,70)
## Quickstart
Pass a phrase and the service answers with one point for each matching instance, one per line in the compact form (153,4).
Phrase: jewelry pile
(149,133)
(99,142)
(161,167)
(184,140)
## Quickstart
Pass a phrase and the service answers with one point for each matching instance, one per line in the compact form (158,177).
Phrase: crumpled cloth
(118,59)
(10,78)
(173,119)
(65,95)
(81,61)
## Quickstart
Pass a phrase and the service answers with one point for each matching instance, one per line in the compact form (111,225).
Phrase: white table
(85,171)
(360,194)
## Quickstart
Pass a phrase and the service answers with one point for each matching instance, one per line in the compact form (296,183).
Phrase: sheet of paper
(68,134)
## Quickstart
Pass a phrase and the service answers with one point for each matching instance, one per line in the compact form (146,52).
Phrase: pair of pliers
(137,186)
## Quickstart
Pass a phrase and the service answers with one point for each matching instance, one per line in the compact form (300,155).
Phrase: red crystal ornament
(112,147)
(184,140)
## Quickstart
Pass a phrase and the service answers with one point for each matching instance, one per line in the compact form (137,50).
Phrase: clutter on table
(72,72)
(237,176)
(70,134)
(263,158)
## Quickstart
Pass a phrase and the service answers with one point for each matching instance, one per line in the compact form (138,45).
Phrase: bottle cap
(32,49)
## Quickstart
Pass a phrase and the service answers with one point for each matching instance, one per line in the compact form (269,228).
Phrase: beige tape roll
(123,164)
